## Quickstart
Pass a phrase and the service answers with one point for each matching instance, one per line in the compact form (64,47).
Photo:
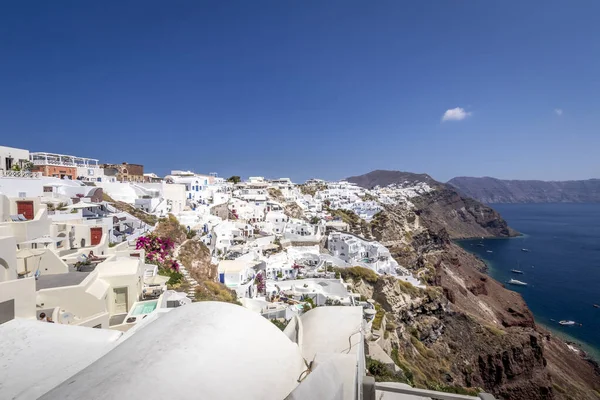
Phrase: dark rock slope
(492,190)
(460,216)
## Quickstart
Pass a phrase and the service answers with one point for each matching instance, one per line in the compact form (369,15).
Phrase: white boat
(489,251)
(516,282)
(525,250)
(516,271)
(567,323)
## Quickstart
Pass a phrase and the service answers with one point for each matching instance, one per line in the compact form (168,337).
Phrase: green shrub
(378,317)
(382,373)
(174,276)
(358,273)
(424,351)
(452,389)
(407,371)
(215,291)
(280,324)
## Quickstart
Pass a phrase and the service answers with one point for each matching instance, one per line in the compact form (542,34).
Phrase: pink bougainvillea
(159,251)
(259,280)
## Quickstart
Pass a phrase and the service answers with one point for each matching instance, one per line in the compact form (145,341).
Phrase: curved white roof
(205,350)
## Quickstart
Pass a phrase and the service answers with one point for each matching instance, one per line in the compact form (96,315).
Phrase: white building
(12,157)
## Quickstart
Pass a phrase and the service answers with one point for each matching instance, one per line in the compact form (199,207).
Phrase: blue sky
(307,88)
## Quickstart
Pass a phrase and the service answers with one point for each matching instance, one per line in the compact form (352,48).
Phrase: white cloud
(455,114)
(558,111)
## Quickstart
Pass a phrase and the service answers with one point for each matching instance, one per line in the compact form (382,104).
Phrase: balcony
(61,160)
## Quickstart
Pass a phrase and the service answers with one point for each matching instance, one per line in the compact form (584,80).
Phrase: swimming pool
(144,307)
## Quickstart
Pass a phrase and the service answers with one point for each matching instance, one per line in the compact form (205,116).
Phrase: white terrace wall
(22,291)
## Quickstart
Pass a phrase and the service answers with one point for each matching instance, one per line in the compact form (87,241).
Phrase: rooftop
(214,351)
(60,280)
(37,356)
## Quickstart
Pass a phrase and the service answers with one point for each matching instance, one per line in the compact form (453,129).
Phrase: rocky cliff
(443,207)
(465,332)
(492,190)
(460,216)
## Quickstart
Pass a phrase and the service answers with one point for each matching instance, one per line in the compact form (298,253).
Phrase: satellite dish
(67,318)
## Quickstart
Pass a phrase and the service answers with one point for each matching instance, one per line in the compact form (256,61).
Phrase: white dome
(205,350)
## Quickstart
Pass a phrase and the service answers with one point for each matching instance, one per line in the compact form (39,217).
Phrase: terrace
(41,158)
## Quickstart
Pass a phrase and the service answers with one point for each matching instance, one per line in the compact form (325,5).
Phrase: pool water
(145,307)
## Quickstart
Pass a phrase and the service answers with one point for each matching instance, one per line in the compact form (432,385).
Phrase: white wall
(8,258)
(14,153)
(75,299)
(50,263)
(119,191)
(94,174)
(27,230)
(23,293)
(175,196)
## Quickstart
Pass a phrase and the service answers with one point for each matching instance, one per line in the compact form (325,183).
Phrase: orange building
(56,171)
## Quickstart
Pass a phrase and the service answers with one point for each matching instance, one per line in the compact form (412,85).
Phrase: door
(120,300)
(25,208)
(95,236)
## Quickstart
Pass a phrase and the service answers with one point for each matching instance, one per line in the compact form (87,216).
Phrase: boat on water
(569,323)
(516,271)
(489,251)
(525,250)
(480,244)
(566,323)
(516,282)
(596,306)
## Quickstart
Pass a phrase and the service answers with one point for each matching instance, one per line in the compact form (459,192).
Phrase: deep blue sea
(562,268)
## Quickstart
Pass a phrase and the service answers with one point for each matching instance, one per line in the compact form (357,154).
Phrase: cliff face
(461,217)
(465,330)
(491,190)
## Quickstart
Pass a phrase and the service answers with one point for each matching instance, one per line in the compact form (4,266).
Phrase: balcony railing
(64,163)
(19,174)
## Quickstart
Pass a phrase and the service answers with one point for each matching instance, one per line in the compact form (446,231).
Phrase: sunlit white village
(88,282)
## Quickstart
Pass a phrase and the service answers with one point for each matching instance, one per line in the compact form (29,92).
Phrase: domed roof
(205,350)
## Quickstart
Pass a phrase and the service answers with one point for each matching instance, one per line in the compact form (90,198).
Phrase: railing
(64,163)
(20,174)
(399,388)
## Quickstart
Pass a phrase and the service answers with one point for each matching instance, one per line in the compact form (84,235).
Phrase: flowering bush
(259,280)
(159,251)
